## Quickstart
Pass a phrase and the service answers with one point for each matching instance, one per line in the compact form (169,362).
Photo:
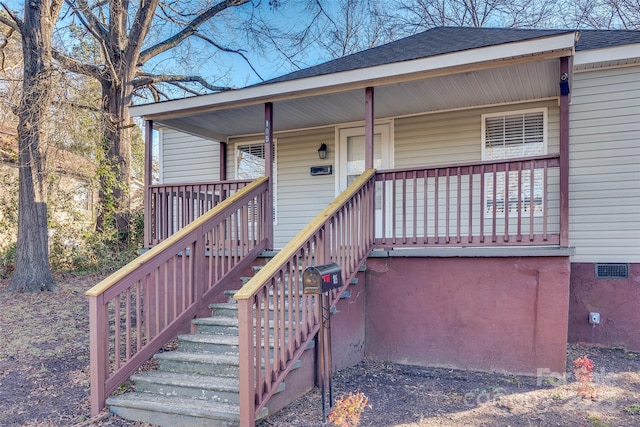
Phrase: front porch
(157,296)
(501,203)
(482,195)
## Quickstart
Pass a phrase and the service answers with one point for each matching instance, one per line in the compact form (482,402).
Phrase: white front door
(351,160)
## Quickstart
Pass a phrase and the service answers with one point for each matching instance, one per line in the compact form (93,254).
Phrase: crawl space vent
(612,271)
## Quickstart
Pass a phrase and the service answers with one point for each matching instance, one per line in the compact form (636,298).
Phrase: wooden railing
(170,207)
(509,202)
(136,310)
(276,320)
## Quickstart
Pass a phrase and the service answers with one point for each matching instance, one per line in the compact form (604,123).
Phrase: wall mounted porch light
(322,151)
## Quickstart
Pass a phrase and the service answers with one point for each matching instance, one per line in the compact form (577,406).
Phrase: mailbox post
(320,280)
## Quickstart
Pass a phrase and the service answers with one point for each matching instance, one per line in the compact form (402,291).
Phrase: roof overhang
(608,57)
(315,101)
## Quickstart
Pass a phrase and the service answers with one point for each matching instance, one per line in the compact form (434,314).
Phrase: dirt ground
(44,360)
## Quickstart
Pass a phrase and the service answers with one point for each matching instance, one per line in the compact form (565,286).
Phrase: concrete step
(216,325)
(224,309)
(209,343)
(221,365)
(169,412)
(193,386)
(230,309)
(211,364)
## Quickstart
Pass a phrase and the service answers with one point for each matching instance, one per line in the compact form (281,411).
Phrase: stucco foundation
(503,314)
(617,301)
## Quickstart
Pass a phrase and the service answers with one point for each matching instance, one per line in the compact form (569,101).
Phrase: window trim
(545,126)
(275,169)
(545,133)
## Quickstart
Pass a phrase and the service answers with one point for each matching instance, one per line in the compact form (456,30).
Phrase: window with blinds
(250,161)
(509,136)
(250,164)
(514,135)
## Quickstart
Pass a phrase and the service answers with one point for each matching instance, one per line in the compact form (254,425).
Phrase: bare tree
(602,14)
(418,15)
(127,38)
(32,270)
(350,26)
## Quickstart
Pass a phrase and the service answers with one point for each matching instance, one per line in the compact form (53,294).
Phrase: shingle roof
(441,40)
(599,39)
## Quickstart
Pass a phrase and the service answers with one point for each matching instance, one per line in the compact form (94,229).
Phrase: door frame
(385,129)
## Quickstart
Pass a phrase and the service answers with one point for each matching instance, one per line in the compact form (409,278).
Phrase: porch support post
(564,159)
(268,170)
(368,128)
(148,162)
(223,161)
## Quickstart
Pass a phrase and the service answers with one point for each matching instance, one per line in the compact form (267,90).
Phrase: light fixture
(322,151)
(564,84)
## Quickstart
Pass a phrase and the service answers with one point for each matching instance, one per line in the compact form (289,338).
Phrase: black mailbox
(321,278)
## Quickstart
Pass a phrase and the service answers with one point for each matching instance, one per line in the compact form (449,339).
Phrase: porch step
(231,293)
(194,386)
(197,385)
(173,411)
(221,365)
(216,325)
(209,343)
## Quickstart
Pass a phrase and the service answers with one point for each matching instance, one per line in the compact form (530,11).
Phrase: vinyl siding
(604,176)
(299,196)
(187,158)
(455,137)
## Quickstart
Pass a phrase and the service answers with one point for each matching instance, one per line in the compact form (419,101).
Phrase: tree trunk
(32,271)
(115,168)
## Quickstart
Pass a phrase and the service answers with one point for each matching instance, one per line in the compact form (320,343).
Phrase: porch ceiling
(510,83)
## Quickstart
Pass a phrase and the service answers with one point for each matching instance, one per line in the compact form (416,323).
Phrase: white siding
(604,177)
(187,158)
(430,139)
(454,137)
(300,196)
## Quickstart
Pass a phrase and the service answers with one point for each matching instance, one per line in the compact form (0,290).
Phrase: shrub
(348,410)
(582,369)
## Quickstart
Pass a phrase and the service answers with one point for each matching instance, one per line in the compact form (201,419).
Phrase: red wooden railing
(136,310)
(510,202)
(170,207)
(270,343)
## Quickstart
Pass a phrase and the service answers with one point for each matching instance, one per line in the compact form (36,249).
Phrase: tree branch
(78,67)
(88,19)
(14,22)
(4,44)
(188,30)
(149,79)
(139,30)
(225,49)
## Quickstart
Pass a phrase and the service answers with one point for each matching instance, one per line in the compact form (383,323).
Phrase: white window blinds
(514,135)
(250,161)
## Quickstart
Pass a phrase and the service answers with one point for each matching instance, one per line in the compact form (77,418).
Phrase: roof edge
(560,45)
(615,53)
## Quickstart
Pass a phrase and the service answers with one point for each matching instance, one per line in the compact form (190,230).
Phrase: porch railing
(504,202)
(136,310)
(170,207)
(276,320)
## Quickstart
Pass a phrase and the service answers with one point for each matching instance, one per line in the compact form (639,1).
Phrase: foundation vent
(612,271)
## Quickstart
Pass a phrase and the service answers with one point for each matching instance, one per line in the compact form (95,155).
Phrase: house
(69,185)
(482,185)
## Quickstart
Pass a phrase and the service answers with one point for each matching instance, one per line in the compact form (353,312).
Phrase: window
(250,161)
(250,164)
(509,136)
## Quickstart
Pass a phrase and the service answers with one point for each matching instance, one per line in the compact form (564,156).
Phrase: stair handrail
(177,267)
(344,233)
